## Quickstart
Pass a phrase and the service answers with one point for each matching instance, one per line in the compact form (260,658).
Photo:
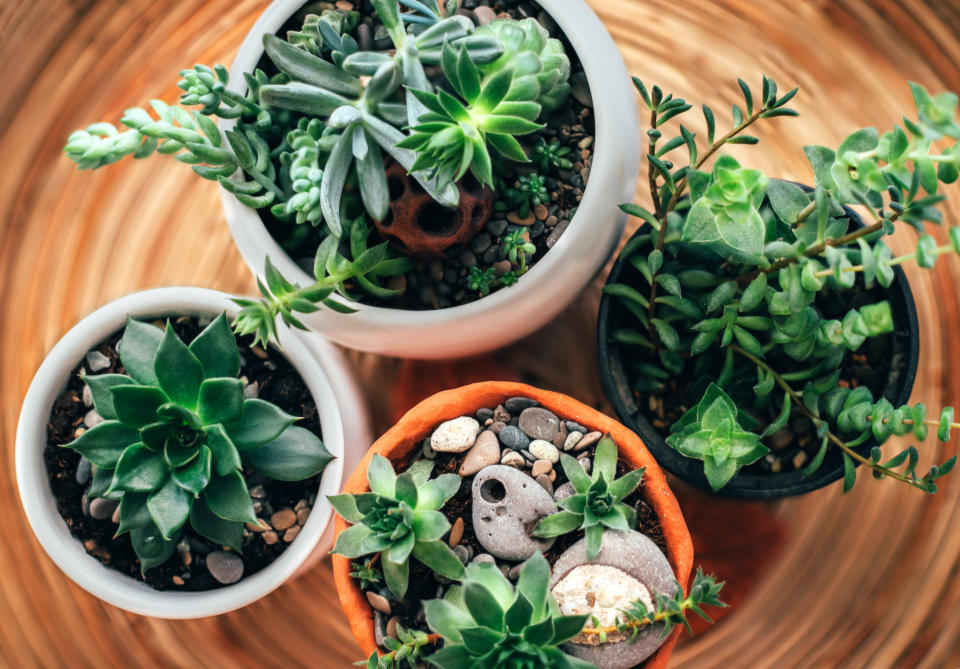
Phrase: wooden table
(863,580)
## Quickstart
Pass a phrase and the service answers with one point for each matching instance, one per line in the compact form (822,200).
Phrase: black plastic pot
(905,345)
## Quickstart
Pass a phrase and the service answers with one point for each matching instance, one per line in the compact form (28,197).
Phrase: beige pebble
(392,627)
(541,212)
(456,533)
(302,515)
(283,519)
(300,505)
(527,220)
(291,534)
(587,440)
(379,602)
(513,459)
(799,459)
(541,467)
(177,580)
(270,537)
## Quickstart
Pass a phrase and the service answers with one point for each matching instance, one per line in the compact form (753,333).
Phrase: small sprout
(481,281)
(552,154)
(530,191)
(518,248)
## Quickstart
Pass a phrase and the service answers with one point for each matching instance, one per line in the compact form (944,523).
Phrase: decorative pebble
(483,414)
(501,414)
(456,533)
(83,471)
(564,491)
(291,534)
(302,515)
(251,391)
(379,628)
(283,519)
(496,426)
(462,553)
(97,361)
(516,405)
(513,459)
(514,572)
(586,463)
(270,537)
(455,436)
(572,439)
(87,396)
(257,492)
(589,439)
(177,580)
(486,451)
(544,450)
(541,467)
(115,517)
(506,506)
(101,508)
(484,558)
(601,592)
(484,14)
(516,219)
(580,89)
(392,627)
(538,423)
(512,437)
(379,602)
(225,567)
(92,418)
(575,427)
(557,232)
(544,481)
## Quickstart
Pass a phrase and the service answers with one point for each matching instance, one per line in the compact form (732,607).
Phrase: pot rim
(581,251)
(40,505)
(409,432)
(746,486)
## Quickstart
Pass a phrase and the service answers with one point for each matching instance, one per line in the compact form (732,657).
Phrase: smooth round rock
(637,556)
(83,471)
(92,418)
(456,533)
(589,439)
(484,558)
(513,459)
(538,423)
(572,439)
(545,482)
(484,452)
(575,427)
(379,602)
(564,491)
(516,405)
(225,567)
(283,519)
(541,467)
(586,463)
(544,450)
(507,506)
(97,361)
(101,508)
(512,437)
(455,436)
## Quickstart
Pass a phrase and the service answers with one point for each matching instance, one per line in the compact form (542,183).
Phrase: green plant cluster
(597,502)
(309,143)
(737,273)
(177,435)
(399,518)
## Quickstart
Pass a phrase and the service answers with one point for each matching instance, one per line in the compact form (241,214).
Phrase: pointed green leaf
(216,349)
(140,469)
(297,454)
(169,507)
(177,370)
(228,497)
(100,386)
(138,348)
(103,444)
(261,423)
(194,476)
(220,400)
(210,526)
(137,406)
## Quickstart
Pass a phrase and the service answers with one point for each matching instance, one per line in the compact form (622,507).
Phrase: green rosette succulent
(539,61)
(486,622)
(176,435)
(399,518)
(597,503)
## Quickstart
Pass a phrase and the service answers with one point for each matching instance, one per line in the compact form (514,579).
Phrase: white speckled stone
(544,450)
(637,556)
(572,440)
(455,436)
(600,591)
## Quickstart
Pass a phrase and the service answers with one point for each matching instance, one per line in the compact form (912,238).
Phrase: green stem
(899,260)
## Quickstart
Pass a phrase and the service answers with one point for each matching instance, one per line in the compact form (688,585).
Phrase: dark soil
(423,584)
(442,283)
(279,383)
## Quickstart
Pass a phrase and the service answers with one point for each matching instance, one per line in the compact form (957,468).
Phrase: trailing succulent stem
(177,435)
(737,267)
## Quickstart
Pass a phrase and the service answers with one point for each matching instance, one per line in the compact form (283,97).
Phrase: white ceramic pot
(552,283)
(345,433)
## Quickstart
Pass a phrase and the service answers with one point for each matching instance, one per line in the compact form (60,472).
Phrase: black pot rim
(745,486)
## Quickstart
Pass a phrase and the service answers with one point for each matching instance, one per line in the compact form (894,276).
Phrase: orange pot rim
(410,431)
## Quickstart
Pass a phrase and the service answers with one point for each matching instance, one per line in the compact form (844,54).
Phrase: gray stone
(83,471)
(484,558)
(225,567)
(586,463)
(92,418)
(501,415)
(483,414)
(512,437)
(636,555)
(462,553)
(87,396)
(580,89)
(538,423)
(484,452)
(515,405)
(496,226)
(575,427)
(545,482)
(101,508)
(588,440)
(455,436)
(507,506)
(496,426)
(97,361)
(251,390)
(544,450)
(557,232)
(379,627)
(564,491)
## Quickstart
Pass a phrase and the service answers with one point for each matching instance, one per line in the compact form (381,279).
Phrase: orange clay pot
(408,434)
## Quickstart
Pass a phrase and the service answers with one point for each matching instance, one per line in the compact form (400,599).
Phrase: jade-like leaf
(482,605)
(210,526)
(438,556)
(137,406)
(558,523)
(261,423)
(178,370)
(226,458)
(594,538)
(100,386)
(194,476)
(396,576)
(138,348)
(216,349)
(380,476)
(534,582)
(228,497)
(446,619)
(406,490)
(169,507)
(350,541)
(296,455)
(104,443)
(430,525)
(140,469)
(435,493)
(519,614)
(151,548)
(220,400)
(346,506)
(133,513)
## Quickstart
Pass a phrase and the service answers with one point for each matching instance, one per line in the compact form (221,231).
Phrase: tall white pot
(343,419)
(555,279)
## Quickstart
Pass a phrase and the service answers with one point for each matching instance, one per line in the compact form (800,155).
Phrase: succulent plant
(428,12)
(327,33)
(399,518)
(711,432)
(597,502)
(736,268)
(176,435)
(488,622)
(551,154)
(530,190)
(517,247)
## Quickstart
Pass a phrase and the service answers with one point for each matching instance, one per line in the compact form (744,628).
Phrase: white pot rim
(578,255)
(39,503)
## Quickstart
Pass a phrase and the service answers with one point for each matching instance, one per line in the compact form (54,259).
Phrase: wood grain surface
(866,580)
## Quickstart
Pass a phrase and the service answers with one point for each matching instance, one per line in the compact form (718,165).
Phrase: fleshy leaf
(297,454)
(261,423)
(138,348)
(177,370)
(216,349)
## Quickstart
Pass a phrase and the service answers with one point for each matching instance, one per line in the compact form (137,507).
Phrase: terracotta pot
(410,431)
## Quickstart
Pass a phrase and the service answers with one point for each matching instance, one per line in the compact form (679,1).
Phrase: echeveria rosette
(598,500)
(177,432)
(711,431)
(486,622)
(399,518)
(456,135)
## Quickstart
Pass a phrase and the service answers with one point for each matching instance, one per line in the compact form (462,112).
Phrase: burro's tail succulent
(176,435)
